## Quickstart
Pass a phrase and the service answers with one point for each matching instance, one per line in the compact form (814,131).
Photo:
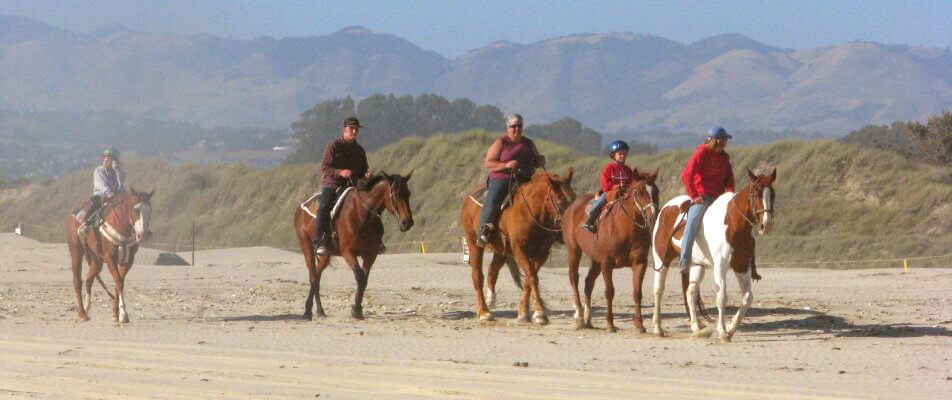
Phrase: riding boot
(321,246)
(590,222)
(381,248)
(484,232)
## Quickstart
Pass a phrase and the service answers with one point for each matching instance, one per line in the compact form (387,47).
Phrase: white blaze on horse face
(767,198)
(142,224)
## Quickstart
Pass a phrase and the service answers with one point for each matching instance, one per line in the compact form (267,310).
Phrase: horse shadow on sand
(264,318)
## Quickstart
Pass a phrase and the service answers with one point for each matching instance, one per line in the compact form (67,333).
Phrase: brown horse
(526,230)
(725,241)
(125,225)
(623,239)
(358,228)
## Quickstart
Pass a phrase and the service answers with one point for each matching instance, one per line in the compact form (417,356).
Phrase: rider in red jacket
(707,175)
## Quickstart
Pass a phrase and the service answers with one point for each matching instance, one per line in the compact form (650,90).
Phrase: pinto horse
(623,239)
(125,225)
(725,241)
(526,230)
(358,228)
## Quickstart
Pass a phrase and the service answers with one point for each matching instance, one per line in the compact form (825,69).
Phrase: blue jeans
(496,191)
(323,220)
(695,215)
(597,205)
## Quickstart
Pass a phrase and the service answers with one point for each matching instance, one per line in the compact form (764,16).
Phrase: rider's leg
(323,220)
(695,214)
(593,212)
(495,194)
(95,203)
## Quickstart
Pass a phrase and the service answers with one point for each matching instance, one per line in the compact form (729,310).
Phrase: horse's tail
(111,297)
(698,303)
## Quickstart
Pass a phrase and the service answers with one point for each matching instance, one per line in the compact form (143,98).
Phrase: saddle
(610,200)
(478,196)
(310,206)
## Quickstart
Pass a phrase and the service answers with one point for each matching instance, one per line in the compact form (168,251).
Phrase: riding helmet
(111,152)
(616,146)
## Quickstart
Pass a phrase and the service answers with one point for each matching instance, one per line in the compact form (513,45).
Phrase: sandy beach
(230,327)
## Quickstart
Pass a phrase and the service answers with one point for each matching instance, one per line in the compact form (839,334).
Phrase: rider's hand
(512,164)
(367,175)
(345,173)
(697,200)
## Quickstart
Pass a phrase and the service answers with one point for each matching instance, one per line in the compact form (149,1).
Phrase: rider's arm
(691,170)
(729,180)
(327,162)
(606,179)
(120,177)
(492,162)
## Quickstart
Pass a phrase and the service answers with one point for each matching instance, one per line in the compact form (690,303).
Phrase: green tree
(932,142)
(318,126)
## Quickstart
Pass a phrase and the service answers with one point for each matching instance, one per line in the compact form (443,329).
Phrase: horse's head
(141,213)
(761,198)
(644,195)
(560,188)
(399,204)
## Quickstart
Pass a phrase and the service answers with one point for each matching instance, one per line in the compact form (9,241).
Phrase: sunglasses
(516,126)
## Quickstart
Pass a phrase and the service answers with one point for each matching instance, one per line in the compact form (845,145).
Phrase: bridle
(750,203)
(546,203)
(643,210)
(393,201)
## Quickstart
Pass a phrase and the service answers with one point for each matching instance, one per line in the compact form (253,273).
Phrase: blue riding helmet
(718,133)
(616,146)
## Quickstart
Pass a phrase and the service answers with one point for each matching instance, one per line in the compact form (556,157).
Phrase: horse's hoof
(725,339)
(357,313)
(83,319)
(486,317)
(640,329)
(125,320)
(578,324)
(320,315)
(611,329)
(541,320)
(523,319)
(659,333)
(307,316)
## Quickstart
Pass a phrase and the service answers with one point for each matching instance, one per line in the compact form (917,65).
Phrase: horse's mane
(364,185)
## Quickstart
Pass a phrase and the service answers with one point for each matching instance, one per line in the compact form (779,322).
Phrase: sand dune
(230,327)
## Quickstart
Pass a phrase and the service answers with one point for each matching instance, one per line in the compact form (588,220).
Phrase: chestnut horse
(125,225)
(358,228)
(526,230)
(724,241)
(623,239)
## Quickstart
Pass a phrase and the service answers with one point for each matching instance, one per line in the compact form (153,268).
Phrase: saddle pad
(314,202)
(479,197)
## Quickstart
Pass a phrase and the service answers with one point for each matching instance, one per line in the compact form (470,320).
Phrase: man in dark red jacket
(344,162)
(707,175)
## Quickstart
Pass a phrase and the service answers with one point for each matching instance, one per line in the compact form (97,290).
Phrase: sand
(230,327)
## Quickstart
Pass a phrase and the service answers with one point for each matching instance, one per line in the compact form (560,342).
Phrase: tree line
(930,142)
(389,118)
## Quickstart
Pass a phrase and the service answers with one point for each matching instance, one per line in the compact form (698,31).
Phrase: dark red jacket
(340,155)
(708,173)
(615,174)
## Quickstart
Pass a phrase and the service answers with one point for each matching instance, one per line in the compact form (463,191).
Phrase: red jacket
(708,173)
(615,174)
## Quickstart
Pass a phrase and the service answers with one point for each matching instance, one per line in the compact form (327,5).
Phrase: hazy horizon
(453,29)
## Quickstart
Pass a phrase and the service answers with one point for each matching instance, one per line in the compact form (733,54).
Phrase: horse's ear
(132,190)
(751,175)
(773,176)
(385,175)
(634,172)
(568,175)
(654,176)
(151,193)
(407,178)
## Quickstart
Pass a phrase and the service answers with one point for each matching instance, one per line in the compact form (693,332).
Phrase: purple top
(524,152)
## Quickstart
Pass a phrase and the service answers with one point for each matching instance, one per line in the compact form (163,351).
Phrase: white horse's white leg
(720,279)
(490,298)
(123,316)
(694,284)
(659,280)
(747,298)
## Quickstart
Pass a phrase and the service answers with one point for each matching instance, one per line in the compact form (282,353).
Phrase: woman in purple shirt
(511,156)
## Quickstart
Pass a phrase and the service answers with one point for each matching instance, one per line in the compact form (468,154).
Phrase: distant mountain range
(615,83)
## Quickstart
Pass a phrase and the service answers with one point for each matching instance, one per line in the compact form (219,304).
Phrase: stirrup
(83,230)
(589,227)
(321,250)
(382,248)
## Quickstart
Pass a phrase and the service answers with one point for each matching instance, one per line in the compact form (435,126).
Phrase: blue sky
(454,27)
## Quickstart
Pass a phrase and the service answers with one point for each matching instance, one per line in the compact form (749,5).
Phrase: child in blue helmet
(615,174)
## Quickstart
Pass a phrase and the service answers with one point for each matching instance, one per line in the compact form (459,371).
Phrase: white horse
(724,241)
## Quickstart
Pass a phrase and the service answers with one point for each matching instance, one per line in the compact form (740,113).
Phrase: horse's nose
(406,225)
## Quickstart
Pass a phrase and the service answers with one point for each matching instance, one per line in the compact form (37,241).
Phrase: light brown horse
(623,238)
(526,230)
(725,241)
(358,228)
(125,225)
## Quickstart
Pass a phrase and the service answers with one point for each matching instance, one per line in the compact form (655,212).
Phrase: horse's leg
(322,263)
(120,293)
(494,265)
(527,268)
(476,267)
(538,306)
(659,280)
(574,258)
(356,310)
(593,271)
(76,262)
(638,279)
(747,298)
(720,280)
(696,275)
(607,269)
(307,250)
(114,271)
(95,267)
